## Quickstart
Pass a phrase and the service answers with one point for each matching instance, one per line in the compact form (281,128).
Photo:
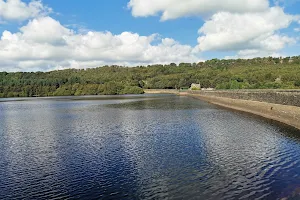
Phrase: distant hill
(257,73)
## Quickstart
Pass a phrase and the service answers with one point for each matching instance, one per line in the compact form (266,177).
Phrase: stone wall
(283,97)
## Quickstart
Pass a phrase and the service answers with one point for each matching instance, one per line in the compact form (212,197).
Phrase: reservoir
(143,147)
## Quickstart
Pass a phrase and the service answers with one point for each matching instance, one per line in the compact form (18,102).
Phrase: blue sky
(51,34)
(114,16)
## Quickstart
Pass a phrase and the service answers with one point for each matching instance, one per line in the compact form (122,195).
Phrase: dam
(279,105)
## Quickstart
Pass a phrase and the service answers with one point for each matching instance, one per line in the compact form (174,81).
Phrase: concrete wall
(283,97)
(283,113)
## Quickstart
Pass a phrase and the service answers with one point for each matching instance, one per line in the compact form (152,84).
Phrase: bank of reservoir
(279,105)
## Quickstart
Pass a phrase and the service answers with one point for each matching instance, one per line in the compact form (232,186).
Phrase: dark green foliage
(257,73)
(297,83)
(132,90)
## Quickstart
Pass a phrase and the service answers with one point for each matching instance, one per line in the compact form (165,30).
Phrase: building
(195,86)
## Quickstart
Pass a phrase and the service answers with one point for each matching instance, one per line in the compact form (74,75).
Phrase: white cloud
(172,9)
(249,27)
(265,48)
(19,11)
(237,32)
(244,26)
(254,53)
(45,44)
(46,30)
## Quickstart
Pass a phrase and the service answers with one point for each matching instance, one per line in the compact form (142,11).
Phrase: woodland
(257,73)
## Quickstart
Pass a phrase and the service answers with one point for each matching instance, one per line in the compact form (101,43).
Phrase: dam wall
(283,97)
(279,105)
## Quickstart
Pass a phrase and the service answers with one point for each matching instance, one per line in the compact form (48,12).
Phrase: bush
(132,90)
(62,92)
(297,83)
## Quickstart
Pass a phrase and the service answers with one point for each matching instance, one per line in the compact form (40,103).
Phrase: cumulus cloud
(228,31)
(243,26)
(45,30)
(20,11)
(45,44)
(251,28)
(271,46)
(254,53)
(172,9)
(246,32)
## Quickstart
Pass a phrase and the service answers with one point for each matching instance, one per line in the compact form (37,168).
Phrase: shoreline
(161,91)
(286,114)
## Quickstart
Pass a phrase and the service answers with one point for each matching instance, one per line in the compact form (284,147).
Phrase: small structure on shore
(195,86)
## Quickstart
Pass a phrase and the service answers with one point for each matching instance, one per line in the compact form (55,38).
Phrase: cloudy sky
(55,34)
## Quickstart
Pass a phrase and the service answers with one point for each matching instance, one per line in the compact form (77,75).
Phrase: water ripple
(143,147)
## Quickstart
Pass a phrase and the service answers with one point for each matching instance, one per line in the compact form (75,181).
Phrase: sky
(44,35)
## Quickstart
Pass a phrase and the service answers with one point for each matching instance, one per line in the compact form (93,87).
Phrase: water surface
(142,147)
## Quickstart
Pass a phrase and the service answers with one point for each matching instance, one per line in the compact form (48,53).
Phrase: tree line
(257,73)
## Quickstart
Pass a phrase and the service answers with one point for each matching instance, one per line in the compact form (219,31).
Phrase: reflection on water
(143,147)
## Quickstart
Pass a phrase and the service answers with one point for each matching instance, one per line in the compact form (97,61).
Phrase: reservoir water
(143,147)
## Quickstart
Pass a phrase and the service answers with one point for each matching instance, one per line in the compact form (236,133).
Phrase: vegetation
(258,73)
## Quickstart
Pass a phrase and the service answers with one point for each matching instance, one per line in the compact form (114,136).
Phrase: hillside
(258,73)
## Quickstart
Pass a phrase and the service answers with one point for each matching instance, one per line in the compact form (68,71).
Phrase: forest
(257,73)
